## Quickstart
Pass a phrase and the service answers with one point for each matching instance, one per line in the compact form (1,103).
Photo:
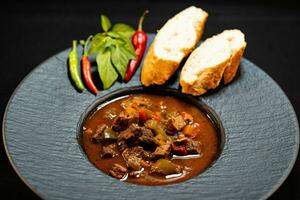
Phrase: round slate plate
(39,130)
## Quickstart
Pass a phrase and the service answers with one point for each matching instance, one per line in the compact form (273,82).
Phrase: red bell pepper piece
(142,116)
(179,150)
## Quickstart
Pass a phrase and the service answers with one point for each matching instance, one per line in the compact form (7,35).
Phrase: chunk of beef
(170,129)
(147,139)
(104,134)
(123,121)
(178,122)
(162,151)
(133,157)
(179,146)
(193,147)
(175,124)
(131,134)
(118,171)
(184,146)
(108,151)
(96,138)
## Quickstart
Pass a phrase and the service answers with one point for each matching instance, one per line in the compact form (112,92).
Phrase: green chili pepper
(74,67)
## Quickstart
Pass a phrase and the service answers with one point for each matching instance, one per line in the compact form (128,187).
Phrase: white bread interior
(178,34)
(216,57)
(175,40)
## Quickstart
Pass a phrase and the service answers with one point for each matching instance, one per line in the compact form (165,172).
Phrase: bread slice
(175,40)
(237,45)
(217,57)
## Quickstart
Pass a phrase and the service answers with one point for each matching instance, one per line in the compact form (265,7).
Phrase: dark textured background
(33,31)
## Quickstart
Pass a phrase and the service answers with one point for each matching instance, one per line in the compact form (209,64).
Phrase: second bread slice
(215,58)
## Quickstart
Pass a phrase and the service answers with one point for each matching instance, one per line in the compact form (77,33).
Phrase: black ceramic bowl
(162,91)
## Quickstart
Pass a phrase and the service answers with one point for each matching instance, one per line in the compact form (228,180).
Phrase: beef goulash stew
(150,139)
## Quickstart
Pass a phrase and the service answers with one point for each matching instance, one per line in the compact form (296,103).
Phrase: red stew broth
(192,167)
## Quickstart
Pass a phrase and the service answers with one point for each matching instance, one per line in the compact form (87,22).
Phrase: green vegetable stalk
(74,68)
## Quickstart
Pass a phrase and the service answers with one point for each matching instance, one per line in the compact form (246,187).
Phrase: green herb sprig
(114,49)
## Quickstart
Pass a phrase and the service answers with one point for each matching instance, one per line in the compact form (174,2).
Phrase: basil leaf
(120,59)
(130,49)
(101,43)
(123,29)
(122,41)
(113,34)
(105,23)
(106,70)
(127,44)
(97,43)
(119,42)
(109,42)
(129,54)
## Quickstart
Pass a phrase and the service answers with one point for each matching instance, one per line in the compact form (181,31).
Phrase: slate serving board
(41,118)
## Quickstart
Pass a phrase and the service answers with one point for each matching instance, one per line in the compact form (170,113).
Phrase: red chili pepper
(139,41)
(86,68)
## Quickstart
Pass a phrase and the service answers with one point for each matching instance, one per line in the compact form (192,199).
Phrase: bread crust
(156,71)
(232,68)
(207,79)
